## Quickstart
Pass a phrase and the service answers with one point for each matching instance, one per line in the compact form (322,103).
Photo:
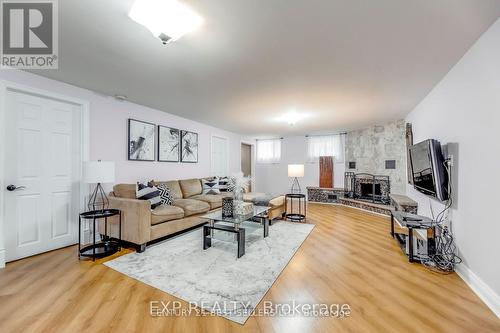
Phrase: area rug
(214,279)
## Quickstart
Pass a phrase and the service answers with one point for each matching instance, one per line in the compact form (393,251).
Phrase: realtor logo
(29,34)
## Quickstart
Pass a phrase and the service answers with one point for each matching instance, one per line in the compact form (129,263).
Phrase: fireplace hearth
(364,186)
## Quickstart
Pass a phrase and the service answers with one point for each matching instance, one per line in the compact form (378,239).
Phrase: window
(327,145)
(269,151)
(220,156)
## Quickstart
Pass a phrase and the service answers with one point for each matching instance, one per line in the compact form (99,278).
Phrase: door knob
(14,187)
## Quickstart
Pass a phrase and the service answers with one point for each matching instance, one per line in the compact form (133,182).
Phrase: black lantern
(227,207)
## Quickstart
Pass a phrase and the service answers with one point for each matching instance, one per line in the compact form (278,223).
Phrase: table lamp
(295,171)
(98,172)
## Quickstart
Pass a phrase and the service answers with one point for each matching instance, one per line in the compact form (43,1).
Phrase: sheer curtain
(269,151)
(325,145)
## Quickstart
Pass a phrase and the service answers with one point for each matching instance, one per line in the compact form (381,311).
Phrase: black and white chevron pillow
(231,185)
(223,183)
(210,186)
(165,195)
(148,192)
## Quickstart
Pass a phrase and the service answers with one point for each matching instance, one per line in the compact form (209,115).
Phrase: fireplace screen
(367,187)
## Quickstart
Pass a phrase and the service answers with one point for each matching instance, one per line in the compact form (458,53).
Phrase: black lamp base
(98,199)
(295,186)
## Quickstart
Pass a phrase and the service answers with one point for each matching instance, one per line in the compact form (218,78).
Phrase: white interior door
(42,160)
(220,158)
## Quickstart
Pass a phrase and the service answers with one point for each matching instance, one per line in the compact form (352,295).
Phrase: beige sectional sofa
(141,224)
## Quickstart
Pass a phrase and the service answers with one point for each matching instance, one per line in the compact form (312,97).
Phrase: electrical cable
(445,258)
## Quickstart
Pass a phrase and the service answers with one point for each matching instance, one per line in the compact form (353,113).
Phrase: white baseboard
(2,258)
(485,293)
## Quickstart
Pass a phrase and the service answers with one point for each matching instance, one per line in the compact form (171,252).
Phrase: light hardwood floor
(348,258)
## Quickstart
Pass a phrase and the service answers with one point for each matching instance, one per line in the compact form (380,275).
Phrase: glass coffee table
(233,225)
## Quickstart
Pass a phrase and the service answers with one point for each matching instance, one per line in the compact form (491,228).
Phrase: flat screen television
(428,170)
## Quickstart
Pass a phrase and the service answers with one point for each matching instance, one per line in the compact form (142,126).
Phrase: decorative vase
(238,207)
(238,194)
(227,207)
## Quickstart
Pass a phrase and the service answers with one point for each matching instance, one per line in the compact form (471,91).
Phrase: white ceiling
(347,63)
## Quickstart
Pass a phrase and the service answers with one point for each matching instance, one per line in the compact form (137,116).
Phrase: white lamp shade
(295,170)
(98,172)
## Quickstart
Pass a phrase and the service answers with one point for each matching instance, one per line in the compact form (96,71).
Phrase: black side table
(108,246)
(296,216)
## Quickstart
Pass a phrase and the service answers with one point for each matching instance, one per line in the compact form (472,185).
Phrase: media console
(410,242)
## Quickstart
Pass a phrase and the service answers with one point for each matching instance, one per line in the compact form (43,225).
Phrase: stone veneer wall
(324,195)
(371,147)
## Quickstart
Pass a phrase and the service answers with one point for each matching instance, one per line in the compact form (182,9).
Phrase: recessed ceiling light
(168,20)
(292,117)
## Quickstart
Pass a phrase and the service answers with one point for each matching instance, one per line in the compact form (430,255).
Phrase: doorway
(41,171)
(220,157)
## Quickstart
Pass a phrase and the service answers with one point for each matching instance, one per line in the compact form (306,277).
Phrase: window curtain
(269,151)
(327,145)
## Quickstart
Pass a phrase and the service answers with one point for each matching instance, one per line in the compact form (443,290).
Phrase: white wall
(273,178)
(464,108)
(108,132)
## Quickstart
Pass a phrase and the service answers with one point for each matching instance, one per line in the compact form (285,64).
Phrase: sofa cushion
(210,186)
(191,206)
(214,200)
(124,191)
(251,196)
(262,199)
(164,213)
(190,187)
(277,202)
(174,187)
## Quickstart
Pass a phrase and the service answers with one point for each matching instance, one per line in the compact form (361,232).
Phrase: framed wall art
(189,147)
(168,144)
(141,140)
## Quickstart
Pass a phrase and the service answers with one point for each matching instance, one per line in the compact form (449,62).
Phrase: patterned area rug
(214,279)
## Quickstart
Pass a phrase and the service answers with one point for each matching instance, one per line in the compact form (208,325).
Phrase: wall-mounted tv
(428,169)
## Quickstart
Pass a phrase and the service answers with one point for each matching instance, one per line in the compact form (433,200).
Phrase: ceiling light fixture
(121,98)
(168,20)
(292,117)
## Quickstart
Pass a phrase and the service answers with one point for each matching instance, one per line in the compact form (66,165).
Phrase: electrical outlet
(452,161)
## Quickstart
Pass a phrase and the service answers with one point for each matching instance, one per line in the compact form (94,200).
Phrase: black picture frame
(189,141)
(159,153)
(147,140)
